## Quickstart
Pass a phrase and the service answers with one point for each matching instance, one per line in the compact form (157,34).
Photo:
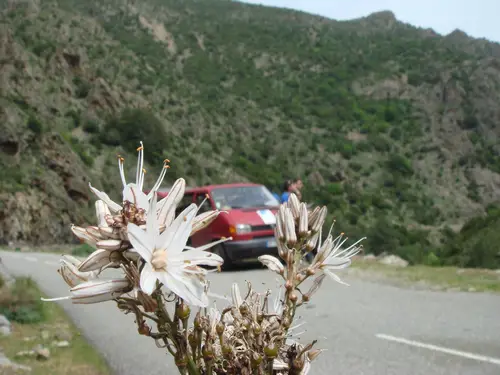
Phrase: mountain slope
(388,124)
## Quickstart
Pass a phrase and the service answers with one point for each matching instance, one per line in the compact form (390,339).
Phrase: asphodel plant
(162,282)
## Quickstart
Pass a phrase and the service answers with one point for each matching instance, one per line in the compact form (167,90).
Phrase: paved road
(367,328)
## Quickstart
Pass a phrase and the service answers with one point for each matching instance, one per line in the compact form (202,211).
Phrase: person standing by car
(297,187)
(288,187)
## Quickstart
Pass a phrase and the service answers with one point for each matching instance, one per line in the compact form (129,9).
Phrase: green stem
(209,368)
(191,366)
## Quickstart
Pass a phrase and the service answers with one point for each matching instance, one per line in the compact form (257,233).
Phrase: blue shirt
(285,196)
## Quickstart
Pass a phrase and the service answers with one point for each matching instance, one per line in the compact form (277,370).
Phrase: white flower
(133,192)
(71,274)
(331,256)
(272,263)
(95,291)
(165,260)
(98,260)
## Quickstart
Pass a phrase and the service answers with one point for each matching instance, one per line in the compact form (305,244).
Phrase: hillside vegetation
(395,128)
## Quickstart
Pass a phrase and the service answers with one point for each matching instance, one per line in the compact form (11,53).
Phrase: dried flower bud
(97,260)
(300,277)
(70,273)
(272,263)
(95,291)
(95,233)
(293,204)
(183,311)
(310,271)
(311,242)
(312,214)
(303,220)
(317,222)
(101,211)
(293,297)
(83,235)
(282,249)
(281,222)
(236,295)
(204,220)
(290,235)
(112,245)
(288,285)
(109,232)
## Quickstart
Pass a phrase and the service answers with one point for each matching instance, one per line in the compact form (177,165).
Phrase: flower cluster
(160,279)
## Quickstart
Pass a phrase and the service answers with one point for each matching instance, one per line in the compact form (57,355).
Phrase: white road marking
(31,259)
(441,349)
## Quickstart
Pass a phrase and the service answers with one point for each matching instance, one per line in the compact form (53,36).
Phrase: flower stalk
(164,280)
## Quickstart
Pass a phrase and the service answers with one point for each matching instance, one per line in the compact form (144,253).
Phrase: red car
(250,219)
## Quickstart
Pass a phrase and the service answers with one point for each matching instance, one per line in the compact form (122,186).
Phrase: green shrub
(91,126)
(432,260)
(398,163)
(35,125)
(83,250)
(21,302)
(82,87)
(133,126)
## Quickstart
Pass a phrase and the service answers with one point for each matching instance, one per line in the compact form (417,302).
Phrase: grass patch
(82,250)
(45,323)
(469,279)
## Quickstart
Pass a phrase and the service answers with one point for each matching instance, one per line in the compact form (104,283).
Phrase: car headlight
(240,229)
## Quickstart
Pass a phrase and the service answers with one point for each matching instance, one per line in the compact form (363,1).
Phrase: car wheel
(221,251)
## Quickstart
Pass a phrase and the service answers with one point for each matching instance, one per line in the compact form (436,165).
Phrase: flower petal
(336,263)
(148,279)
(198,258)
(106,199)
(272,263)
(175,237)
(98,290)
(141,242)
(334,277)
(188,287)
(133,194)
(236,295)
(166,207)
(152,228)
(101,210)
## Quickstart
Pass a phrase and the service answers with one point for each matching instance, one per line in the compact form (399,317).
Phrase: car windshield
(243,197)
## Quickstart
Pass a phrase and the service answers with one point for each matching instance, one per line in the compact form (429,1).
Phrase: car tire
(221,251)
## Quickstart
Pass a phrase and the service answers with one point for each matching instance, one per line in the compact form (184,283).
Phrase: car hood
(253,216)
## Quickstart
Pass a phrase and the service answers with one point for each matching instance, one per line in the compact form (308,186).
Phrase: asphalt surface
(367,328)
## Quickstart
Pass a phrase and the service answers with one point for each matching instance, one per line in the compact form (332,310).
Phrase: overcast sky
(478,18)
